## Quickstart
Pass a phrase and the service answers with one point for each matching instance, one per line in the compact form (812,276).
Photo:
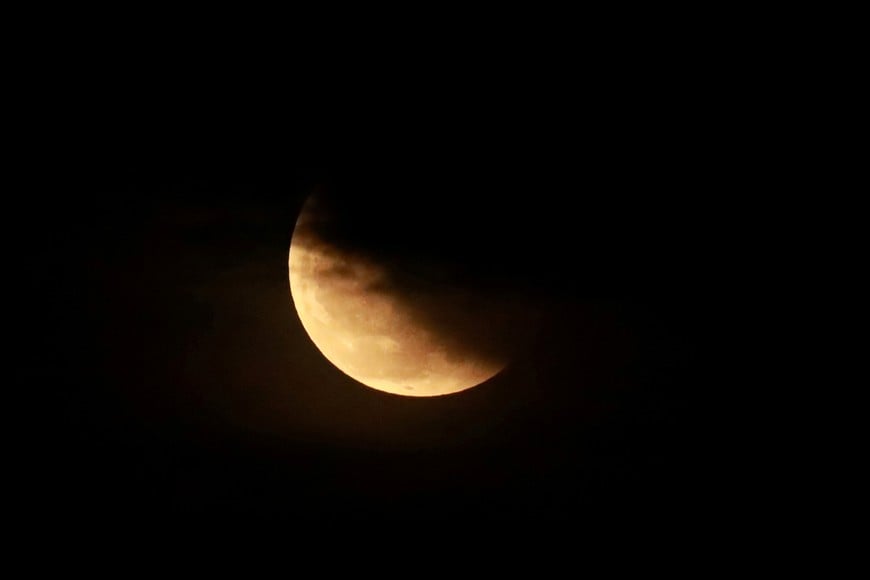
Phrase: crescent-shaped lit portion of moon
(367,333)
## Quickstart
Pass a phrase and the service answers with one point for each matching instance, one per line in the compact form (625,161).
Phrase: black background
(605,185)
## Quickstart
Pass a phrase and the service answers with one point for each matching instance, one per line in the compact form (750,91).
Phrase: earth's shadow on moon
(452,280)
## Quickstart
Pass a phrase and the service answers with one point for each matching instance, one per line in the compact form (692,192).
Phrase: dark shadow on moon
(453,284)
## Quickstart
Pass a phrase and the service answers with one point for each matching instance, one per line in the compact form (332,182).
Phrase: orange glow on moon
(367,333)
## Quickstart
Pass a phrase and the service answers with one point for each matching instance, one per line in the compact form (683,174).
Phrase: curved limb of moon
(370,334)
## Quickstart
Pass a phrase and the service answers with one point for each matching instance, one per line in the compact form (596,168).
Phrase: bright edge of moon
(368,334)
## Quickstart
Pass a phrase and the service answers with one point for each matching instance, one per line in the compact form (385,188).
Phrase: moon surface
(374,332)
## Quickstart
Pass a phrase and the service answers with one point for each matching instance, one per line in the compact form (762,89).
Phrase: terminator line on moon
(371,335)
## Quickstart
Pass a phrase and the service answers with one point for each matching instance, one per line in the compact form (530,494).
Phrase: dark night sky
(182,386)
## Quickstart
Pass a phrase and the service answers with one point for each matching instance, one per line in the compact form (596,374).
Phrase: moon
(420,343)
